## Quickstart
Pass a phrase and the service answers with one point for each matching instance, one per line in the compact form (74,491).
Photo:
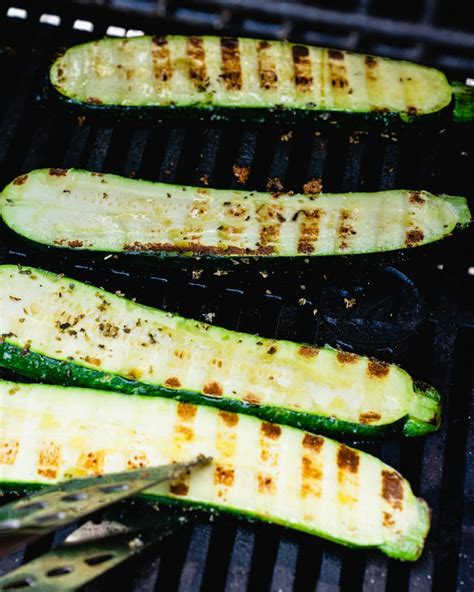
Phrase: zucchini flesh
(262,470)
(59,330)
(82,210)
(213,72)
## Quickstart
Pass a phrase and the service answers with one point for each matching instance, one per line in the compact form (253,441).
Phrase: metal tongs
(91,549)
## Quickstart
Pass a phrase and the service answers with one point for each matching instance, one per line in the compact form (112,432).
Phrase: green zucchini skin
(324,120)
(463,96)
(250,78)
(69,357)
(260,470)
(98,212)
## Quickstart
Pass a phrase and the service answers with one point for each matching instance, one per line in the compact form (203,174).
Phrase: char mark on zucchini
(266,66)
(267,471)
(231,69)
(160,54)
(197,68)
(65,331)
(338,71)
(392,488)
(303,68)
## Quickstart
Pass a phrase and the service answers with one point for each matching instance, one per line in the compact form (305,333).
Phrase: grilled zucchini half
(261,470)
(229,74)
(59,330)
(82,210)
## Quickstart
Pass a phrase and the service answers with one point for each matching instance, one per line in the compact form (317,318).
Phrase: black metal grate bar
(241,559)
(350,20)
(192,573)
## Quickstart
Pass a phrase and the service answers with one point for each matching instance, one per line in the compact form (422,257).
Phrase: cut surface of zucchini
(90,211)
(59,330)
(260,470)
(215,72)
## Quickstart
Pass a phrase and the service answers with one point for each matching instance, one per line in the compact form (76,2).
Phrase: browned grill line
(302,68)
(226,438)
(231,70)
(266,67)
(185,416)
(338,72)
(8,451)
(49,460)
(197,66)
(311,465)
(92,463)
(392,488)
(309,230)
(270,219)
(160,55)
(347,459)
(346,230)
(311,474)
(371,78)
(269,454)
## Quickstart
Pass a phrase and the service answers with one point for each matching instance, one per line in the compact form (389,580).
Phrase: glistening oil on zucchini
(260,470)
(257,79)
(80,210)
(59,330)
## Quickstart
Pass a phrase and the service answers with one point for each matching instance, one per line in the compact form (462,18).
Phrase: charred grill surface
(415,311)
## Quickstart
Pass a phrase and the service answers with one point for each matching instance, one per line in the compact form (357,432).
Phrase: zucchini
(59,330)
(261,470)
(225,74)
(82,210)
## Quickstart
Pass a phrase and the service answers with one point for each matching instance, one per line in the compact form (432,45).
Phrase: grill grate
(426,30)
(414,310)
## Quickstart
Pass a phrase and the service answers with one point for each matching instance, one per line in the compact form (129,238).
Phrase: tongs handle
(72,565)
(37,515)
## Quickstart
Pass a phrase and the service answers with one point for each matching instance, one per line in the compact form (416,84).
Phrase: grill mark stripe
(8,451)
(311,466)
(49,459)
(338,76)
(183,433)
(266,67)
(413,234)
(224,475)
(160,55)
(345,230)
(268,218)
(91,463)
(197,66)
(348,459)
(309,231)
(226,435)
(371,79)
(226,446)
(269,456)
(392,488)
(269,235)
(231,73)
(348,462)
(302,68)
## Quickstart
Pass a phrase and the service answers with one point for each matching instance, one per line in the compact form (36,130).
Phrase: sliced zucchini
(82,210)
(216,73)
(261,470)
(59,330)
